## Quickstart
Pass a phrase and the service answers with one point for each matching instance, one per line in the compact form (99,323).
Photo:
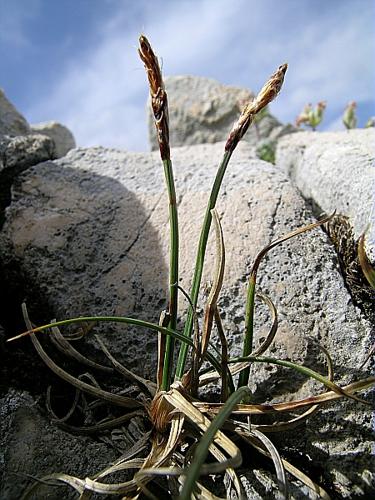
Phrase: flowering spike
(159,101)
(267,94)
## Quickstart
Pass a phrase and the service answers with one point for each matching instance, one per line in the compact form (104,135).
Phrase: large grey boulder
(11,121)
(89,233)
(202,110)
(61,136)
(337,171)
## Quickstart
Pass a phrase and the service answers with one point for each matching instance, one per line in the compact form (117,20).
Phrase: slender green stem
(202,449)
(173,273)
(122,319)
(249,329)
(249,316)
(301,369)
(200,261)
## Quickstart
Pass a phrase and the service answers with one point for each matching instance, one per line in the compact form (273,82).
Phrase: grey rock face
(337,171)
(61,136)
(30,444)
(24,151)
(18,154)
(19,148)
(90,233)
(202,110)
(11,121)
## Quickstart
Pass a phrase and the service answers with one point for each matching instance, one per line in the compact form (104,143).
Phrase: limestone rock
(337,171)
(32,445)
(11,121)
(17,154)
(202,110)
(61,136)
(90,234)
(24,151)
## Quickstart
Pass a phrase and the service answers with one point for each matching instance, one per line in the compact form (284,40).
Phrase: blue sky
(75,61)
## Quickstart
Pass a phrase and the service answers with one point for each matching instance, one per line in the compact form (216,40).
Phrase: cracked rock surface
(88,235)
(18,154)
(336,171)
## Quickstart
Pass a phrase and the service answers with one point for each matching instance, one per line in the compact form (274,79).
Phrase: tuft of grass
(189,438)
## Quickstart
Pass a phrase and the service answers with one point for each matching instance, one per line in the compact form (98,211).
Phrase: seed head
(159,101)
(268,93)
(270,89)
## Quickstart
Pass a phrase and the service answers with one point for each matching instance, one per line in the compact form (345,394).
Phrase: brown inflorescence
(267,94)
(159,101)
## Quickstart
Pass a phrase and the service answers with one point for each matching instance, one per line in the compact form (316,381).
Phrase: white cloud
(102,96)
(13,18)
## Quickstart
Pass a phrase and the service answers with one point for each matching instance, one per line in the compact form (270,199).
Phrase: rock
(61,136)
(336,171)
(2,344)
(24,151)
(202,110)
(18,154)
(31,445)
(90,234)
(11,121)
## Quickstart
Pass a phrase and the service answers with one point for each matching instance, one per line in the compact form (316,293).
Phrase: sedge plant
(189,438)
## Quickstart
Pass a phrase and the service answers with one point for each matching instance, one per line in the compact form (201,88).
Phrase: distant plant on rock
(266,150)
(311,117)
(370,122)
(349,118)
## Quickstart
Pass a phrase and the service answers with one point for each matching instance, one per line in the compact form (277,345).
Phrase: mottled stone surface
(337,171)
(31,445)
(17,154)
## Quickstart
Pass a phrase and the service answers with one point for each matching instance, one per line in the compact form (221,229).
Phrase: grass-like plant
(349,117)
(189,438)
(311,117)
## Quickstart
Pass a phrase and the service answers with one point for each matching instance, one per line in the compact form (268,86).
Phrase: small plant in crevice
(350,254)
(190,438)
(311,117)
(266,150)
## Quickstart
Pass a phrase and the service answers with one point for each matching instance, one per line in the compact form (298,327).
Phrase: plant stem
(201,452)
(249,329)
(200,261)
(173,273)
(304,370)
(121,319)
(249,316)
